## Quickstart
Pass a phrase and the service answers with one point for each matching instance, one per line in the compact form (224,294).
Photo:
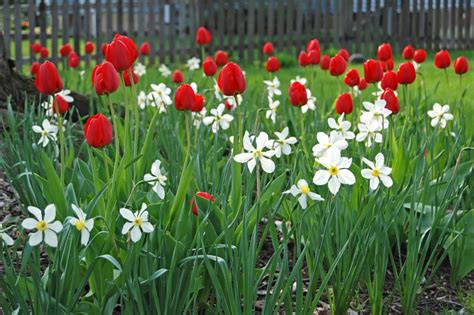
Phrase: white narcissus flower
(161,93)
(5,237)
(256,154)
(283,144)
(369,134)
(198,117)
(138,223)
(416,65)
(356,91)
(377,173)
(164,70)
(47,132)
(218,119)
(66,95)
(299,79)
(217,91)
(193,63)
(82,224)
(329,143)
(273,87)
(336,172)
(273,107)
(46,227)
(157,179)
(376,114)
(341,127)
(141,100)
(439,115)
(231,101)
(310,104)
(140,69)
(302,189)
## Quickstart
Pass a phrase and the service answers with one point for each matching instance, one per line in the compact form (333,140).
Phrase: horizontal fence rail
(239,27)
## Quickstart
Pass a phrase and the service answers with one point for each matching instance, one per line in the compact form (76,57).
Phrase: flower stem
(62,143)
(117,152)
(239,122)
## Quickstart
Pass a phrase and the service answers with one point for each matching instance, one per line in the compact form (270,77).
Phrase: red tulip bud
(314,56)
(442,59)
(352,78)
(313,45)
(297,93)
(105,79)
(126,77)
(373,71)
(419,56)
(198,103)
(268,49)
(62,105)
(406,73)
(121,52)
(203,195)
(44,52)
(391,101)
(98,131)
(177,77)
(337,65)
(185,98)
(209,67)
(221,58)
(344,104)
(65,50)
(344,54)
(73,60)
(384,52)
(203,36)
(34,67)
(303,59)
(363,84)
(231,80)
(273,64)
(47,79)
(408,52)
(461,65)
(36,48)
(389,80)
(89,47)
(325,60)
(145,48)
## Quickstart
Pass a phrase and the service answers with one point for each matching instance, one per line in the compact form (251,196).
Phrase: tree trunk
(20,89)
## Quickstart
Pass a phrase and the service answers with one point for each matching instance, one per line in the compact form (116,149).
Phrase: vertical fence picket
(241,28)
(429,25)
(151,30)
(460,25)
(76,26)
(141,24)
(17,37)
(98,30)
(65,21)
(109,21)
(171,31)
(42,23)
(325,29)
(54,30)
(437,29)
(469,40)
(161,33)
(31,26)
(298,37)
(262,16)
(251,30)
(131,18)
(289,27)
(87,27)
(6,26)
(271,21)
(120,17)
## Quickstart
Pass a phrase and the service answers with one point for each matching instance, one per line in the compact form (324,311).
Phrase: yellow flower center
(328,145)
(44,133)
(41,225)
(305,190)
(138,221)
(80,225)
(375,173)
(257,154)
(333,170)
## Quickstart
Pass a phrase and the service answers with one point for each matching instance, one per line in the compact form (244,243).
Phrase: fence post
(18,48)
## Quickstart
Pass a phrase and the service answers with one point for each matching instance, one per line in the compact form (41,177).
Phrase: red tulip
(344,53)
(36,48)
(314,56)
(297,94)
(391,100)
(313,45)
(34,67)
(325,60)
(121,52)
(145,48)
(47,79)
(185,98)
(461,65)
(228,105)
(419,56)
(98,131)
(363,84)
(373,71)
(406,73)
(65,50)
(177,77)
(231,80)
(221,58)
(105,79)
(89,47)
(103,49)
(203,36)
(389,80)
(198,103)
(268,49)
(44,52)
(73,61)
(61,104)
(203,195)
(344,104)
(387,65)
(303,59)
(126,77)
(442,59)
(337,65)
(352,78)
(209,67)
(408,52)
(384,52)
(273,64)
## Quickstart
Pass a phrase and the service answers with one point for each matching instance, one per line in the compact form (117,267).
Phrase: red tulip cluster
(312,55)
(186,99)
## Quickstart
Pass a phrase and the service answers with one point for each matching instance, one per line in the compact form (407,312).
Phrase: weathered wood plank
(54,30)
(17,37)
(251,30)
(65,20)
(87,27)
(76,27)
(42,23)
(31,26)
(109,21)
(152,29)
(98,35)
(7,26)
(172,32)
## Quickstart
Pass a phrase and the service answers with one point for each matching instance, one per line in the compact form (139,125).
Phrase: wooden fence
(239,27)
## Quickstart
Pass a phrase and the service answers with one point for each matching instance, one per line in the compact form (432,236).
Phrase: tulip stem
(62,164)
(446,75)
(258,182)
(117,150)
(305,150)
(239,122)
